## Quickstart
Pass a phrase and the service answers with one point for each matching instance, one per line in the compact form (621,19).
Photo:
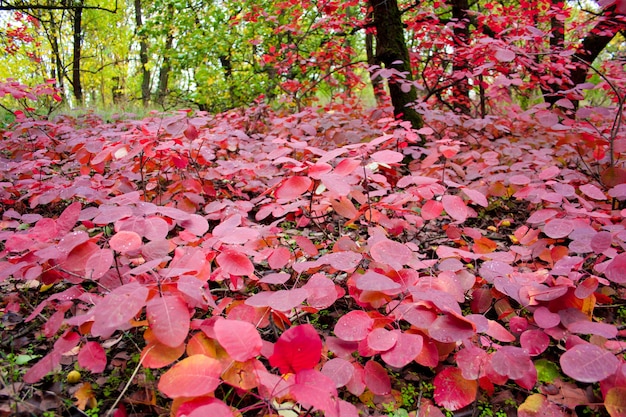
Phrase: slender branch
(5,5)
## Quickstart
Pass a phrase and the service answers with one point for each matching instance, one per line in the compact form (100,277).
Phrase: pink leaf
(117,308)
(68,218)
(387,157)
(322,291)
(455,207)
(540,216)
(240,339)
(511,361)
(339,370)
(314,389)
(353,326)
(616,270)
(293,188)
(588,363)
(405,350)
(373,281)
(392,253)
(592,191)
(194,376)
(535,342)
(125,241)
(601,241)
(376,378)
(92,357)
(504,55)
(235,263)
(452,391)
(558,228)
(476,196)
(279,257)
(169,319)
(381,339)
(450,328)
(298,348)
(99,263)
(545,318)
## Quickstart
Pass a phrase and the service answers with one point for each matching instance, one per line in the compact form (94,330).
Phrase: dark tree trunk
(372,61)
(597,39)
(143,56)
(78,37)
(391,50)
(164,74)
(461,88)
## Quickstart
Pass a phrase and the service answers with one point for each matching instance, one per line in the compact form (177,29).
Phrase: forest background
(313,208)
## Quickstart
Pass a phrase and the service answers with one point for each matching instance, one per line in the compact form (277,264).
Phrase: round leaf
(194,376)
(452,391)
(240,339)
(588,363)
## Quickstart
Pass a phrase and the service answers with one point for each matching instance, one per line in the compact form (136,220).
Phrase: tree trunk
(372,61)
(597,39)
(461,88)
(143,57)
(78,37)
(391,50)
(164,74)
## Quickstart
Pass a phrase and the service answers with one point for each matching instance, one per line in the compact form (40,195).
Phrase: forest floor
(515,219)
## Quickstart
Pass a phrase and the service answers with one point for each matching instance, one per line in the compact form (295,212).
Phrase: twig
(130,380)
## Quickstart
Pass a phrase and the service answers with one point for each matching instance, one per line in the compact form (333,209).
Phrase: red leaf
(376,378)
(353,326)
(168,316)
(431,209)
(455,207)
(47,364)
(392,253)
(194,376)
(117,308)
(240,339)
(92,357)
(203,407)
(125,241)
(452,391)
(293,188)
(235,263)
(300,347)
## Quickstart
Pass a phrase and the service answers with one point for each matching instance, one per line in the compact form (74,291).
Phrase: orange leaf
(615,402)
(85,397)
(194,376)
(484,245)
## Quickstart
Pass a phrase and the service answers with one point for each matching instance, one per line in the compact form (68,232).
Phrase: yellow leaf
(85,397)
